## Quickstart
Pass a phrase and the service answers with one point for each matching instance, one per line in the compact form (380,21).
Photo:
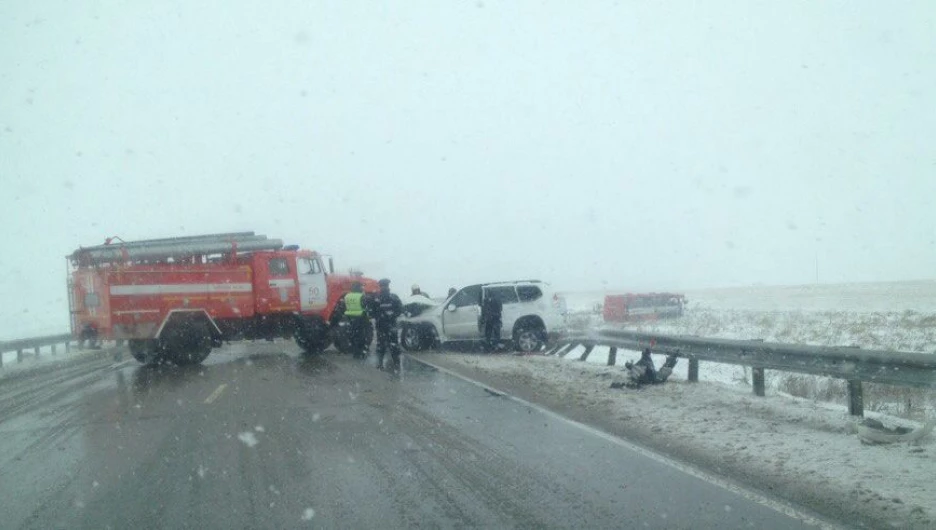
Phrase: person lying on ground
(643,372)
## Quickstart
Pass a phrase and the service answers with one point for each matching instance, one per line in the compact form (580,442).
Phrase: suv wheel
(528,338)
(411,338)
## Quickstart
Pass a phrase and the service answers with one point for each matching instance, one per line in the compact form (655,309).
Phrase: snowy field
(801,447)
(883,316)
(918,296)
(800,435)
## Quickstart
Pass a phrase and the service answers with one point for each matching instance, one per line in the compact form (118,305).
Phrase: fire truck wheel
(312,336)
(188,343)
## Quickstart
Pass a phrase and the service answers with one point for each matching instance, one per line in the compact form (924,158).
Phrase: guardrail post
(693,370)
(37,351)
(53,349)
(757,380)
(19,355)
(68,346)
(612,356)
(588,349)
(855,399)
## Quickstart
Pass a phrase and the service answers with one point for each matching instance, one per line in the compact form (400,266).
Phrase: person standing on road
(386,307)
(491,321)
(351,307)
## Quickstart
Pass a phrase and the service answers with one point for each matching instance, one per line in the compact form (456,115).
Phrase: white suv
(532,314)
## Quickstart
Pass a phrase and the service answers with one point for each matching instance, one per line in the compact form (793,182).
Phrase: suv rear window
(506,294)
(528,293)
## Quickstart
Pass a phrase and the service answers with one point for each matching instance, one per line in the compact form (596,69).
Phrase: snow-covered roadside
(898,331)
(907,331)
(798,448)
(880,316)
(46,358)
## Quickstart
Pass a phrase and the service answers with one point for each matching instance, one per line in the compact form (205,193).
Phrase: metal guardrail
(35,343)
(851,364)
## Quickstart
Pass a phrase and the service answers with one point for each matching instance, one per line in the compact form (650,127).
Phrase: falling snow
(248,438)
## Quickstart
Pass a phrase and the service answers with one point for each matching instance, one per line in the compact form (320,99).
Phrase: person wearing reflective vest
(354,304)
(351,307)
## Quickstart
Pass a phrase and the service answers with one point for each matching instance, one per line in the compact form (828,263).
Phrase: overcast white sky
(589,144)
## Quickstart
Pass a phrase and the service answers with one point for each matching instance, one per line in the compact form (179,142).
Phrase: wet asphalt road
(258,437)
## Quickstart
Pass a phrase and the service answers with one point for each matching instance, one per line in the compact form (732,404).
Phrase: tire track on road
(36,392)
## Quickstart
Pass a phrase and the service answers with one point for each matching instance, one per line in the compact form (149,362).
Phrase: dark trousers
(387,340)
(492,332)
(357,336)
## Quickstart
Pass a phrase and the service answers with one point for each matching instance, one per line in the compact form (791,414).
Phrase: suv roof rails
(509,282)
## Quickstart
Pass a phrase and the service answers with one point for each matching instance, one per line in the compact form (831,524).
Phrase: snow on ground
(905,402)
(882,316)
(45,357)
(887,316)
(918,296)
(801,447)
(248,438)
(897,331)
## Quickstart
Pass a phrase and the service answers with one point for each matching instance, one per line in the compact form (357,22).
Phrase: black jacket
(492,309)
(649,373)
(384,308)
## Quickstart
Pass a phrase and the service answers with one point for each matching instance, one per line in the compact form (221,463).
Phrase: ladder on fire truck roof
(175,248)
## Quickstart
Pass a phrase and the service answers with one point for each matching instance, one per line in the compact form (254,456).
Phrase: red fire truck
(177,298)
(632,307)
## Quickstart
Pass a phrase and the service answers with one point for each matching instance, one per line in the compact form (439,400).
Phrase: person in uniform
(351,307)
(492,310)
(386,307)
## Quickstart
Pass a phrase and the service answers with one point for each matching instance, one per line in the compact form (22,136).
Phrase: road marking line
(778,505)
(120,364)
(214,395)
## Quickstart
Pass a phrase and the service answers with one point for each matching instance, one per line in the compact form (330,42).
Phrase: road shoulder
(792,449)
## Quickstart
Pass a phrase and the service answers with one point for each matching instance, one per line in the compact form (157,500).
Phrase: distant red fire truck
(632,307)
(177,298)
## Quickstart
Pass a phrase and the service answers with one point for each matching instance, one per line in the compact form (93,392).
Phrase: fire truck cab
(177,298)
